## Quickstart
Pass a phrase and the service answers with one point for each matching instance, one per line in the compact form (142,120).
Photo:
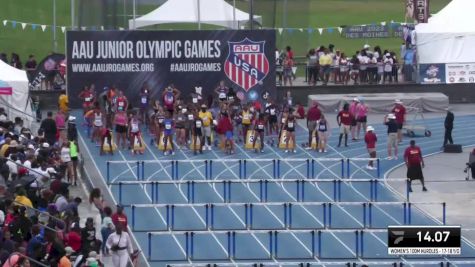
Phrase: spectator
(16,62)
(119,217)
(120,245)
(96,200)
(30,67)
(49,128)
(73,238)
(88,237)
(63,102)
(325,62)
(388,68)
(408,68)
(3,57)
(107,228)
(312,68)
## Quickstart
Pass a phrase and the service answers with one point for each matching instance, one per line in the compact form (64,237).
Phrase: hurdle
(287,211)
(243,166)
(263,187)
(273,244)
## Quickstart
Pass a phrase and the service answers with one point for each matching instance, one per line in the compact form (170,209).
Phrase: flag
(280,30)
(43,27)
(320,30)
(13,24)
(23,25)
(63,29)
(33,26)
(5,23)
(330,30)
(340,29)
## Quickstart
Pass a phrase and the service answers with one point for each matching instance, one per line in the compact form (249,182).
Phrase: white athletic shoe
(173,152)
(308,148)
(324,151)
(320,150)
(295,151)
(389,158)
(369,167)
(286,151)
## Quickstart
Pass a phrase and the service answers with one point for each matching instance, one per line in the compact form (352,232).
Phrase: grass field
(300,14)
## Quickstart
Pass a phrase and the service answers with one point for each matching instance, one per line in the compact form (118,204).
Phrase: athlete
(290,128)
(344,120)
(88,99)
(222,91)
(246,117)
(323,129)
(134,134)
(259,128)
(120,121)
(144,103)
(121,102)
(168,126)
(197,133)
(169,96)
(97,124)
(207,120)
(180,124)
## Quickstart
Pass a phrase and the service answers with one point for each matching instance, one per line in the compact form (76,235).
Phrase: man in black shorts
(415,163)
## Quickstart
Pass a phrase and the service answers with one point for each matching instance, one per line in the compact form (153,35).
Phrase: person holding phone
(120,246)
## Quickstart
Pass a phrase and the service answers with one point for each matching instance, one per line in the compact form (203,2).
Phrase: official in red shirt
(370,139)
(313,115)
(400,111)
(344,121)
(120,217)
(415,163)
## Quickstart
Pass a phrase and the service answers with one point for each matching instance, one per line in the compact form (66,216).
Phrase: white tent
(449,36)
(214,12)
(17,104)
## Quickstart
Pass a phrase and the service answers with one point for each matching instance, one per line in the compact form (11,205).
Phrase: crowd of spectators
(366,66)
(39,217)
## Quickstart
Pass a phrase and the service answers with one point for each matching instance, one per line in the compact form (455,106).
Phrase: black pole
(251,13)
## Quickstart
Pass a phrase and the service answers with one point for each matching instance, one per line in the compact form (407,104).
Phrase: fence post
(378,162)
(275,243)
(404,207)
(273,168)
(192,234)
(303,191)
(342,168)
(298,190)
(246,216)
(290,215)
(251,215)
(313,244)
(364,215)
(228,234)
(278,168)
(212,216)
(319,244)
(153,192)
(206,169)
(138,170)
(270,245)
(240,169)
(308,169)
(409,215)
(156,192)
(261,190)
(357,243)
(370,215)
(324,215)
(234,244)
(245,169)
(329,215)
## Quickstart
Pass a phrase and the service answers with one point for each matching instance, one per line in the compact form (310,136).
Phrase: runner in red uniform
(88,99)
(121,102)
(370,139)
(415,163)
(344,120)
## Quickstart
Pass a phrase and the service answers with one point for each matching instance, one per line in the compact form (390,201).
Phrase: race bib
(168,126)
(290,125)
(195,100)
(260,126)
(160,120)
(245,117)
(144,100)
(135,128)
(190,117)
(180,118)
(121,104)
(205,119)
(231,98)
(222,95)
(272,112)
(87,99)
(198,124)
(283,120)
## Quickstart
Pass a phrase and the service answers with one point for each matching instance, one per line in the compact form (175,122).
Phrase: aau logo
(246,65)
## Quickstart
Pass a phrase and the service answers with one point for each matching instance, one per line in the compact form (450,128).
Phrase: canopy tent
(449,36)
(214,12)
(14,93)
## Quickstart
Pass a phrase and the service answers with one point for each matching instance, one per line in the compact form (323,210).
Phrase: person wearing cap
(400,112)
(207,118)
(64,261)
(119,217)
(448,125)
(344,122)
(370,139)
(414,163)
(120,245)
(313,115)
(390,122)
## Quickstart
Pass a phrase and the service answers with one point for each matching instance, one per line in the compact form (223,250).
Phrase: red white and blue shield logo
(246,65)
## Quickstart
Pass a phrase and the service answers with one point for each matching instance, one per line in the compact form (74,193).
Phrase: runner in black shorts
(290,128)
(197,133)
(259,128)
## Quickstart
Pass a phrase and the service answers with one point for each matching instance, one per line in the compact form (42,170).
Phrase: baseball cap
(45,145)
(369,128)
(391,116)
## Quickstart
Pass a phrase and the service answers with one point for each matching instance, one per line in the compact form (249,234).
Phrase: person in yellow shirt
(63,102)
(207,119)
(22,199)
(325,64)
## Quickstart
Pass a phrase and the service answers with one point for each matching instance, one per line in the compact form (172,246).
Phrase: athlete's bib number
(87,99)
(160,120)
(222,95)
(195,100)
(198,124)
(291,125)
(260,126)
(135,128)
(190,117)
(144,100)
(272,112)
(168,126)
